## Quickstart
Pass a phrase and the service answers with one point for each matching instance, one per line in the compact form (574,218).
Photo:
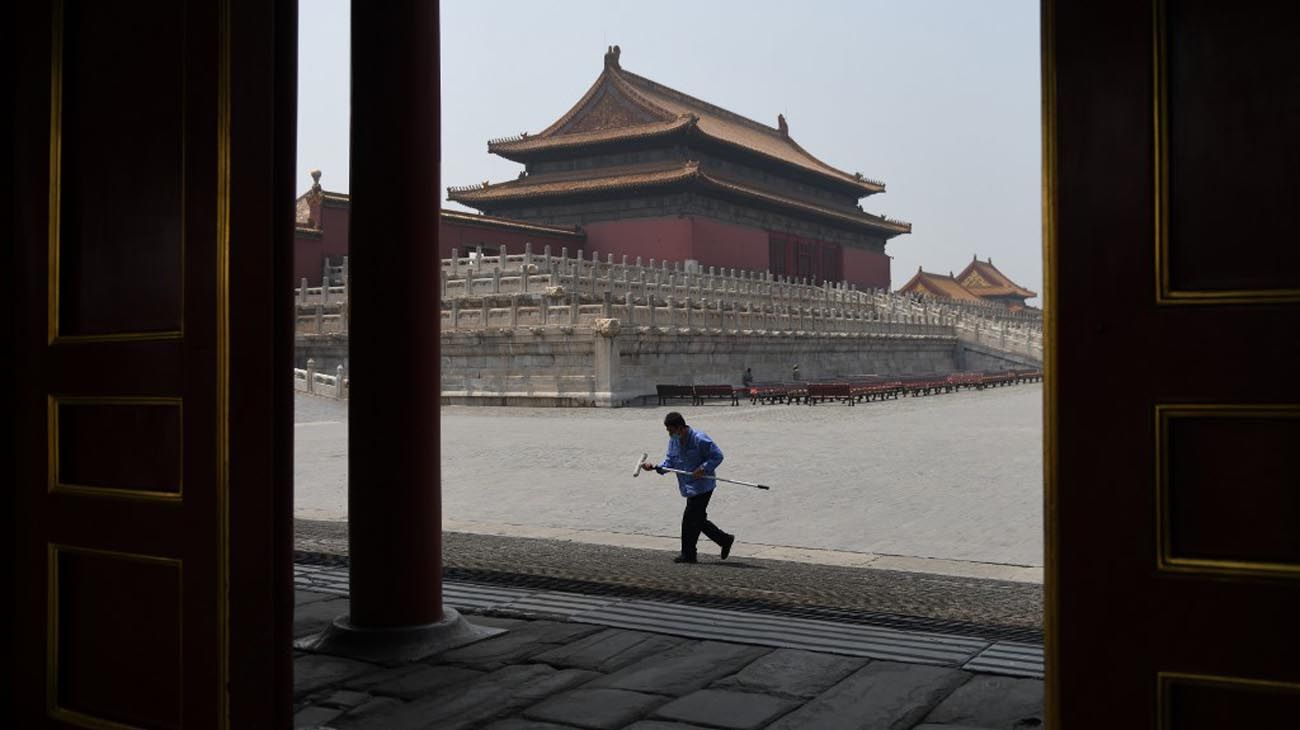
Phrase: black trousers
(696,520)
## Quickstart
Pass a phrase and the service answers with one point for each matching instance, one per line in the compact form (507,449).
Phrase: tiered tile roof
(622,107)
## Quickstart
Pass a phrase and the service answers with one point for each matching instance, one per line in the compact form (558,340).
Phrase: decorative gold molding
(56,485)
(1166,561)
(223,361)
(1165,293)
(1051,522)
(1164,680)
(54,335)
(53,710)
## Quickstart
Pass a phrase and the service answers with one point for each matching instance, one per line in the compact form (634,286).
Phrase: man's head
(676,425)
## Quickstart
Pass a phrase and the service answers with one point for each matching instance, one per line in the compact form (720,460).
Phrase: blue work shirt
(695,450)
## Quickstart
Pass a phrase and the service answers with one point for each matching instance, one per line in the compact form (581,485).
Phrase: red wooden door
(1173,297)
(153,153)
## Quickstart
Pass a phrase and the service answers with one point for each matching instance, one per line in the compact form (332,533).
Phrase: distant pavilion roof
(983,279)
(622,106)
(938,285)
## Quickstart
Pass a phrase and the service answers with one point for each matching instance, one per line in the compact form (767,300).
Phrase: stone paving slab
(684,669)
(419,681)
(880,696)
(313,717)
(315,616)
(519,723)
(726,709)
(368,716)
(317,671)
(596,709)
(516,645)
(608,650)
(490,697)
(998,703)
(663,725)
(792,673)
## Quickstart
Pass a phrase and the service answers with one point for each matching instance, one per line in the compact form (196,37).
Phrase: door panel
(1172,310)
(149,525)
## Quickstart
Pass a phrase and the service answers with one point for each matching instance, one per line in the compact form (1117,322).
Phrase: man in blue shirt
(693,451)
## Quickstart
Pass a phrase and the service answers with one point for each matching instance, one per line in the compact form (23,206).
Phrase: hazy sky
(937,98)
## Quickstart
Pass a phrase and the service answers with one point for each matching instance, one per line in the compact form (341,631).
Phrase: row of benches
(852,389)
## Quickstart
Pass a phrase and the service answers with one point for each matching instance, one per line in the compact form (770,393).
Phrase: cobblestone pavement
(977,601)
(551,675)
(955,476)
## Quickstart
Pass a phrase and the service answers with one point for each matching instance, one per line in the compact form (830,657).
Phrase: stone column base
(399,645)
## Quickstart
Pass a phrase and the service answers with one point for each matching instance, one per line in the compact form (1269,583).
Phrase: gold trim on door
(55,483)
(1166,561)
(1165,679)
(1165,293)
(55,211)
(223,361)
(1051,598)
(63,714)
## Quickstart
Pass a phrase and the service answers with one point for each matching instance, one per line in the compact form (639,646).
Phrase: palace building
(649,171)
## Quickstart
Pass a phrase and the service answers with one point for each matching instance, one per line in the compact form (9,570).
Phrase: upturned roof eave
(689,178)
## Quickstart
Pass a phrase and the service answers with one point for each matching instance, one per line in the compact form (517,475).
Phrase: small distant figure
(796,373)
(748,378)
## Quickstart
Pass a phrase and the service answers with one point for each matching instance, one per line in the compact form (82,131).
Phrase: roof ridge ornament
(611,57)
(781,126)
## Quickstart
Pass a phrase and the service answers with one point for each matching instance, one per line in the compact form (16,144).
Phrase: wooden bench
(819,392)
(666,392)
(705,392)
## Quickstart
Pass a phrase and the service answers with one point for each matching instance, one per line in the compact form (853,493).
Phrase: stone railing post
(338,382)
(302,292)
(347,278)
(483,313)
(514,311)
(630,316)
(650,302)
(573,307)
(455,314)
(543,310)
(496,280)
(311,375)
(320,318)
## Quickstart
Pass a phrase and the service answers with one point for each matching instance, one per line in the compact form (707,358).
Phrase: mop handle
(720,479)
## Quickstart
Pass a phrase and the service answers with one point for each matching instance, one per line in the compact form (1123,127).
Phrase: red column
(394,500)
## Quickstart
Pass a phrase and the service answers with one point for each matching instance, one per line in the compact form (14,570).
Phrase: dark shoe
(726,547)
(685,559)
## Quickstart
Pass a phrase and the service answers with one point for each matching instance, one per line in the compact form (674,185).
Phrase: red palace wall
(309,252)
(657,238)
(866,268)
(728,246)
